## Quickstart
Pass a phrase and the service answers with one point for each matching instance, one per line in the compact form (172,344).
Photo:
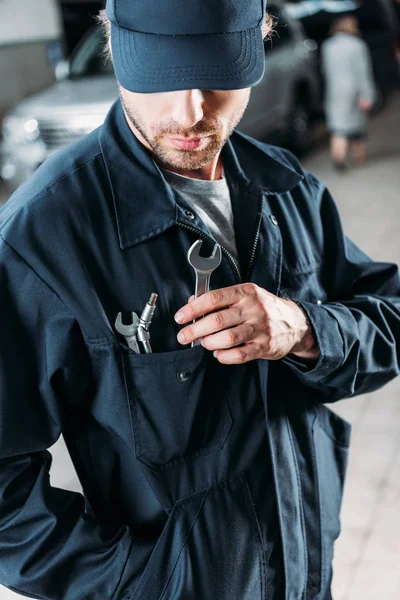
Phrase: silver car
(283,102)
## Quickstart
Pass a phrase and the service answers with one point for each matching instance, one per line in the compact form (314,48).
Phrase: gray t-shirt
(212,202)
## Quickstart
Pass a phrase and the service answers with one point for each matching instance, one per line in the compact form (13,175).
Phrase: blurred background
(56,87)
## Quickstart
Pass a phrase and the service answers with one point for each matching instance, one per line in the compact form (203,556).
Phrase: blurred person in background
(349,91)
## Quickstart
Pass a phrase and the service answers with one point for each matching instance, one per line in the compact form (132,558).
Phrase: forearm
(358,342)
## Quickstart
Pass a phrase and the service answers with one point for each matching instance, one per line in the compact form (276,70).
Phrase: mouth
(187,143)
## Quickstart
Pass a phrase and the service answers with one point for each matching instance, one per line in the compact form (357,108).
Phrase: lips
(186,144)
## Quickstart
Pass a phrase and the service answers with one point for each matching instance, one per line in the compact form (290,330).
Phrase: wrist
(307,346)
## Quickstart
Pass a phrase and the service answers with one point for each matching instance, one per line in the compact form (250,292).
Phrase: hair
(104,22)
(102,19)
(346,24)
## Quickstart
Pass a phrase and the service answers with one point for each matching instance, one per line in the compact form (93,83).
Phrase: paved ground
(368,551)
(367,554)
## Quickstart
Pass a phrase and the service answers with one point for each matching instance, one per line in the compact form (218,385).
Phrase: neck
(210,172)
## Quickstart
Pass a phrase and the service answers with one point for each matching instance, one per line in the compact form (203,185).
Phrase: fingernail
(179,317)
(181,337)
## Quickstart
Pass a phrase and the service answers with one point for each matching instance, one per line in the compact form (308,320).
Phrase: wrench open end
(203,268)
(201,263)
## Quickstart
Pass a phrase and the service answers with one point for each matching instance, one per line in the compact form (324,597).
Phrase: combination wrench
(129,331)
(203,268)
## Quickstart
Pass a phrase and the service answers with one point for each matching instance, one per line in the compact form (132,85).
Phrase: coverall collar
(144,202)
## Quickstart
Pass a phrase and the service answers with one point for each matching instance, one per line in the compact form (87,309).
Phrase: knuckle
(251,330)
(191,312)
(251,289)
(242,355)
(232,337)
(258,349)
(267,344)
(215,296)
(254,351)
(219,320)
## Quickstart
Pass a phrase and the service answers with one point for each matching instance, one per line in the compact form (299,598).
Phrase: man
(213,471)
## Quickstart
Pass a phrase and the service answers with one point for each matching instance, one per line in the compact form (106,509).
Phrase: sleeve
(358,328)
(365,74)
(49,547)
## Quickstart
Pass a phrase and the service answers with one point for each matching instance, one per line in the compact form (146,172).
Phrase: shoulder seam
(38,194)
(39,277)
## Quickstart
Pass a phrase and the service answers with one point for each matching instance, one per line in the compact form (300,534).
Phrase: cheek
(242,100)
(230,104)
(149,109)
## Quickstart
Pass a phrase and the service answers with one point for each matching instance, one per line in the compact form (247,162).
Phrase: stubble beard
(185,159)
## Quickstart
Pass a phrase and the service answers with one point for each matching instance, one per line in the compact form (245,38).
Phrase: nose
(188,107)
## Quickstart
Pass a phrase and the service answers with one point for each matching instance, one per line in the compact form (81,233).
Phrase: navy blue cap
(167,45)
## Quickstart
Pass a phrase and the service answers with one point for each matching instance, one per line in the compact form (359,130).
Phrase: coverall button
(273,219)
(183,376)
(319,301)
(189,215)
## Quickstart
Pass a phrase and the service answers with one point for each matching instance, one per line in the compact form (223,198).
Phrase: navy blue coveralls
(189,468)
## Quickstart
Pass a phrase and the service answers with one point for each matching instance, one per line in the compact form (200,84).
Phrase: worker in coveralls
(210,466)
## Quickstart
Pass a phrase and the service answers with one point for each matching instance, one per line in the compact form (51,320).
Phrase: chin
(186,163)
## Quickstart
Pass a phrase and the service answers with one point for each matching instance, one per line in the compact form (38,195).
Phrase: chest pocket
(306,284)
(178,405)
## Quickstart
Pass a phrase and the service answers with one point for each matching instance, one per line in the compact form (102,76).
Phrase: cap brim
(147,63)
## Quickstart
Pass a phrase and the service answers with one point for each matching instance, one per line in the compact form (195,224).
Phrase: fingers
(209,302)
(229,338)
(218,321)
(240,355)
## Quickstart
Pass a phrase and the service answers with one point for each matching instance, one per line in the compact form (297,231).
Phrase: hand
(364,105)
(245,322)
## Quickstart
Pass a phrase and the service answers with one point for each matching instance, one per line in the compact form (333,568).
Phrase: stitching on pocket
(239,482)
(158,357)
(261,550)
(216,429)
(301,506)
(302,269)
(183,546)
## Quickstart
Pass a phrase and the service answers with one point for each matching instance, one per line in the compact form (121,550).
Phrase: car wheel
(300,130)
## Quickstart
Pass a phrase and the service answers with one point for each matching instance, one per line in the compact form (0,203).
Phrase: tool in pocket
(138,330)
(129,331)
(204,268)
(143,333)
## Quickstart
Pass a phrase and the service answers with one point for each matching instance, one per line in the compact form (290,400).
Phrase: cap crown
(186,17)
